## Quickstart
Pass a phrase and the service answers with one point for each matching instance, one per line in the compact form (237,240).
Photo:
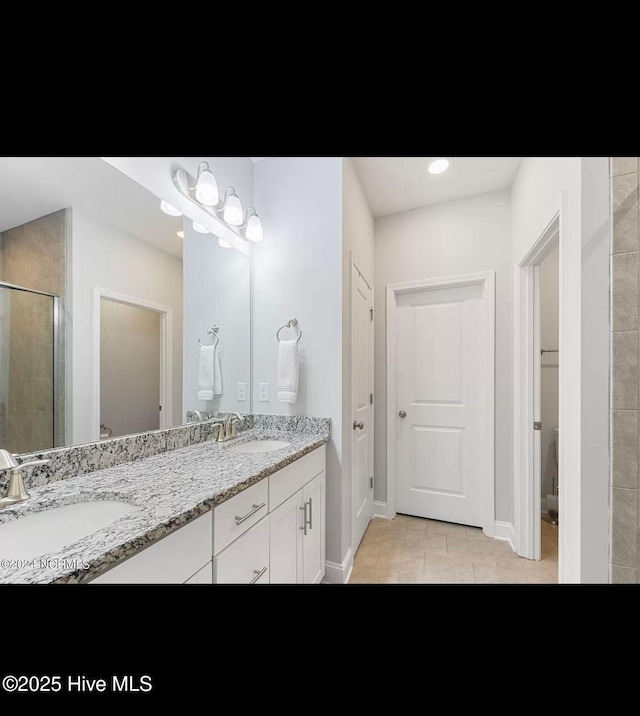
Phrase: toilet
(552,500)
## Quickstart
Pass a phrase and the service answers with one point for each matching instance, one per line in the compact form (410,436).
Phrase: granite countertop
(166,490)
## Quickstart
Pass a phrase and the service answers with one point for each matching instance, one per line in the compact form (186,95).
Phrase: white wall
(549,318)
(357,240)
(595,326)
(297,271)
(129,368)
(108,258)
(155,174)
(539,183)
(217,291)
(456,237)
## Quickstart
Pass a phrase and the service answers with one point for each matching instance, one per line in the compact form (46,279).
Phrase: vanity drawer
(202,576)
(235,516)
(246,559)
(172,560)
(290,479)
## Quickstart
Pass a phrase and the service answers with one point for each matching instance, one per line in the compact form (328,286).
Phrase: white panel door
(440,404)
(361,407)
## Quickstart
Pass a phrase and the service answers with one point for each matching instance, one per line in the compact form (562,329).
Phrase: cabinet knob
(402,414)
(358,425)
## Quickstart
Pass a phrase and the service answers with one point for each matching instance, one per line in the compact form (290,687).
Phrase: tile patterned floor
(412,550)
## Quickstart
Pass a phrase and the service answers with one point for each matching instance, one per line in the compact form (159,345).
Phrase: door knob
(358,425)
(402,414)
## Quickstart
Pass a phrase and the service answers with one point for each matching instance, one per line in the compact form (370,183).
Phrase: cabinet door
(313,557)
(285,541)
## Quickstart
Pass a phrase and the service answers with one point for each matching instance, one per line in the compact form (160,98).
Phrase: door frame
(486,279)
(552,231)
(166,355)
(354,263)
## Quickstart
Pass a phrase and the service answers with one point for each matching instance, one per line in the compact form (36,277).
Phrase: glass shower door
(27,356)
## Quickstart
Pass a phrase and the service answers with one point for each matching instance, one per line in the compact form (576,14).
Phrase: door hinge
(370,398)
(160,407)
(372,311)
(537,426)
(371,483)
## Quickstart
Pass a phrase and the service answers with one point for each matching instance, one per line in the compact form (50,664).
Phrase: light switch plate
(242,392)
(263,392)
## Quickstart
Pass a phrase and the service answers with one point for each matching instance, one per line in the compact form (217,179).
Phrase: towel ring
(289,324)
(213,331)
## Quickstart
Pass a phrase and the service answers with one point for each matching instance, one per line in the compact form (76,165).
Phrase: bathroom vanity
(272,532)
(202,513)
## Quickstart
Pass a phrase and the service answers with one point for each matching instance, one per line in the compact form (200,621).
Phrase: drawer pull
(258,573)
(304,519)
(240,520)
(311,513)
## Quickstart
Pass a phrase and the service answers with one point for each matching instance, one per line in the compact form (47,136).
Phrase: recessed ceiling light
(180,234)
(438,166)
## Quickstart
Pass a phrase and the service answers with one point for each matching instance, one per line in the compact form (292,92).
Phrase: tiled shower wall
(33,256)
(625,562)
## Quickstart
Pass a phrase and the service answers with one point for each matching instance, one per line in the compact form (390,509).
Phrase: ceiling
(31,187)
(393,184)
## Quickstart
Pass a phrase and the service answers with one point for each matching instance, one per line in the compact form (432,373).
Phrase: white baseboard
(380,509)
(504,531)
(335,573)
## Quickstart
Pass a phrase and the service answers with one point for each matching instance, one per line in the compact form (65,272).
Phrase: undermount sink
(255,446)
(51,530)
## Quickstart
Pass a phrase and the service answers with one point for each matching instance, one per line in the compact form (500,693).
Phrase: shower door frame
(56,353)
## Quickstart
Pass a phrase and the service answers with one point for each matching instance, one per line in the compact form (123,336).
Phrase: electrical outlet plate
(263,392)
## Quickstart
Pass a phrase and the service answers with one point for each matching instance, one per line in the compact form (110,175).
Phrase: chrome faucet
(199,416)
(16,492)
(227,429)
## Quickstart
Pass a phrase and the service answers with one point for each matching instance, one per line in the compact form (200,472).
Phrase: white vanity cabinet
(297,496)
(175,559)
(272,532)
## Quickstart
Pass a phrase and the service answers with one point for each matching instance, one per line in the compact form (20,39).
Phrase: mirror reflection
(217,347)
(102,301)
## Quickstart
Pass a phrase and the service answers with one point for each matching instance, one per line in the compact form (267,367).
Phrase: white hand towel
(209,374)
(217,373)
(205,373)
(288,371)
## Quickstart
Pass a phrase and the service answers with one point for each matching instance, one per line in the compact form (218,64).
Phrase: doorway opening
(132,366)
(541,395)
(548,284)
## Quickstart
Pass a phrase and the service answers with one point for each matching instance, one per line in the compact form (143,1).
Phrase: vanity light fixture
(232,208)
(206,189)
(223,244)
(252,226)
(200,228)
(180,234)
(203,192)
(439,165)
(169,209)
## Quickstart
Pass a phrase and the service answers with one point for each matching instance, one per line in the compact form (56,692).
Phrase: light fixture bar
(184,182)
